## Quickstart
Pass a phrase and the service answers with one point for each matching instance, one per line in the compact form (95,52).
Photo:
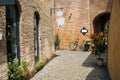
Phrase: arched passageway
(100,21)
(101,24)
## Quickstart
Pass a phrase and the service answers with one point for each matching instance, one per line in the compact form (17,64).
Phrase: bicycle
(75,45)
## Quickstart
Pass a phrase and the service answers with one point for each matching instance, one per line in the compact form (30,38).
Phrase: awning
(7,2)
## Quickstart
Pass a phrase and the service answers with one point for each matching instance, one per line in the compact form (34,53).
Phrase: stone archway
(99,22)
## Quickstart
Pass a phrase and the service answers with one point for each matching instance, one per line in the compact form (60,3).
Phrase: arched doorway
(12,32)
(101,24)
(36,36)
(100,21)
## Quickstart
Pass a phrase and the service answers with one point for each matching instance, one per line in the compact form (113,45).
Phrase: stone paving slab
(72,65)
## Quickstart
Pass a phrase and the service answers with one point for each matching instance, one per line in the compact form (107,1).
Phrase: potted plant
(26,75)
(87,44)
(39,65)
(99,47)
(57,42)
(16,71)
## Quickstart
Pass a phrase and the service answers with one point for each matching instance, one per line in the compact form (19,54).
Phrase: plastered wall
(113,42)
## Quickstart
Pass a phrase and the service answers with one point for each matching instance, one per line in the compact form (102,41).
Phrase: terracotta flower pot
(87,46)
(100,61)
(57,47)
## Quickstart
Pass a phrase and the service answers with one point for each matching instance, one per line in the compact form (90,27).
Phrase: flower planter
(87,46)
(57,48)
(100,61)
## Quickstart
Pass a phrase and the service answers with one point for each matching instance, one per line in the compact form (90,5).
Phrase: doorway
(12,33)
(100,22)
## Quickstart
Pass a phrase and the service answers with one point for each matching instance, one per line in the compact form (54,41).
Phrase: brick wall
(3,54)
(97,7)
(46,47)
(76,14)
(27,8)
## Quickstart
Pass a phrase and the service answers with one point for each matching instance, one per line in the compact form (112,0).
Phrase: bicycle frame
(75,45)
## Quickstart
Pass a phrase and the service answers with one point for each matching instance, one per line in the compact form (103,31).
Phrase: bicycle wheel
(82,47)
(73,45)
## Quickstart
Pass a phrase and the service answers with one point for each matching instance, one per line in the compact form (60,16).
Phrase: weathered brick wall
(97,7)
(2,27)
(76,14)
(27,8)
(3,54)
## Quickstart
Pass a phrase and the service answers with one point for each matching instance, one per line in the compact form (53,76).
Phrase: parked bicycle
(76,46)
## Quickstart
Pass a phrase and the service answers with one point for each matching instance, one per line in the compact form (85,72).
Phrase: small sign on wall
(0,36)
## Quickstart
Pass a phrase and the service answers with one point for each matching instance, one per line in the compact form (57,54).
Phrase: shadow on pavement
(98,73)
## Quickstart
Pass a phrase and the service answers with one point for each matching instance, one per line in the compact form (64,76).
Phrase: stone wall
(46,47)
(3,53)
(27,9)
(76,14)
(97,7)
(113,42)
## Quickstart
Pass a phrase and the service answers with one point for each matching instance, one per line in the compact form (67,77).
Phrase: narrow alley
(73,65)
(59,39)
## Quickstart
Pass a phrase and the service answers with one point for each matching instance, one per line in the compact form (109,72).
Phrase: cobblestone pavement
(72,65)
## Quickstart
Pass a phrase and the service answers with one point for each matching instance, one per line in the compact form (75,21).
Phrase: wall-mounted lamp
(60,21)
(84,30)
(59,13)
